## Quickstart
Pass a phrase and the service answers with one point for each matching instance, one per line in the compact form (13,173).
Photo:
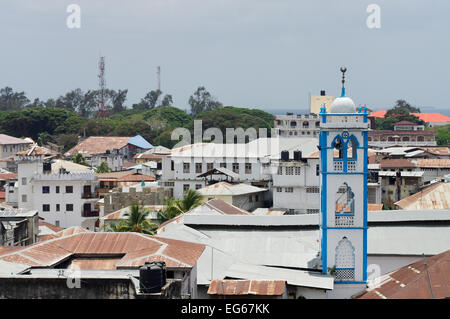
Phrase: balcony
(90,213)
(88,195)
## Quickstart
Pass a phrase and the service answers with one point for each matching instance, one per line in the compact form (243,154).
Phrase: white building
(62,192)
(10,145)
(244,196)
(113,150)
(300,125)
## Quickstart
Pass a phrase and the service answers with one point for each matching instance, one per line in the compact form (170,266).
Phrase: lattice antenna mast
(158,78)
(102,85)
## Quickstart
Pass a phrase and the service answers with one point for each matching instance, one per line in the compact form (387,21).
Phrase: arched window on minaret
(345,261)
(344,206)
(352,148)
(338,154)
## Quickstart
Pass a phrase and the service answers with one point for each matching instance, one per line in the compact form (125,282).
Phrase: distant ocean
(424,109)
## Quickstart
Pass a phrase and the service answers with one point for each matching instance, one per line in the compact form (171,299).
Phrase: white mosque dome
(343,105)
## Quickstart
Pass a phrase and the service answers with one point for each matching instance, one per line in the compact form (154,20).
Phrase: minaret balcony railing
(338,166)
(344,274)
(344,220)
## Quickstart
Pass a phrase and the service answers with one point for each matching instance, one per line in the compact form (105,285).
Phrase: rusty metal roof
(247,287)
(396,163)
(411,282)
(133,248)
(225,208)
(437,150)
(436,196)
(433,163)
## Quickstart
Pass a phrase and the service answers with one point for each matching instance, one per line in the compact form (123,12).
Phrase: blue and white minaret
(343,167)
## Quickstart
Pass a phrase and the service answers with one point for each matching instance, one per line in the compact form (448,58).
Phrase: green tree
(103,168)
(202,101)
(443,135)
(136,221)
(79,159)
(191,199)
(10,100)
(171,210)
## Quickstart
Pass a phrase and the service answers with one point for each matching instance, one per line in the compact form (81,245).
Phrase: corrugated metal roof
(293,277)
(247,287)
(434,163)
(136,248)
(227,189)
(416,281)
(434,197)
(140,142)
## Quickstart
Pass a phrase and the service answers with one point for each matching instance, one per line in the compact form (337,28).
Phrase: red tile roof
(405,123)
(99,145)
(8,176)
(414,281)
(426,117)
(136,178)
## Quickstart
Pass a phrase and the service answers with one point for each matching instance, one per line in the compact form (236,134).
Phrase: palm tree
(136,221)
(191,199)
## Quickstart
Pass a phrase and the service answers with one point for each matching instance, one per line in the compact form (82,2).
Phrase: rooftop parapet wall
(117,199)
(66,177)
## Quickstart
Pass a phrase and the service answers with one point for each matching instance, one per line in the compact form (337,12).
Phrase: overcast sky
(267,54)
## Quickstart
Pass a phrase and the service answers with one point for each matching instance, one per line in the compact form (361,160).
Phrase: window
(223,165)
(236,168)
(69,207)
(289,171)
(24,198)
(198,168)
(312,190)
(209,166)
(280,170)
(298,170)
(185,187)
(338,148)
(317,169)
(57,190)
(57,223)
(345,261)
(198,186)
(186,168)
(57,207)
(69,189)
(312,211)
(248,168)
(172,165)
(289,189)
(46,208)
(45,189)
(250,198)
(279,189)
(256,198)
(24,181)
